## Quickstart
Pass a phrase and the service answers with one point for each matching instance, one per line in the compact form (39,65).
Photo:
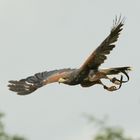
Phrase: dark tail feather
(113,71)
(117,70)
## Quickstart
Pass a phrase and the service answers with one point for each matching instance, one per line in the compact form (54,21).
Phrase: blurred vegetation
(105,131)
(4,135)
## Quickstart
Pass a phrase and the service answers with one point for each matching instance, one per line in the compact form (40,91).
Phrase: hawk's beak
(61,80)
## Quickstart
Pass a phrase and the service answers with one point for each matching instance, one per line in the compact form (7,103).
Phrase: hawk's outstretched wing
(99,55)
(30,84)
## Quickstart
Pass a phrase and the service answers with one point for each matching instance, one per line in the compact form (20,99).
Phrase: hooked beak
(61,80)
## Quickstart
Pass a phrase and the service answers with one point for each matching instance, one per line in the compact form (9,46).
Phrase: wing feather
(99,55)
(32,83)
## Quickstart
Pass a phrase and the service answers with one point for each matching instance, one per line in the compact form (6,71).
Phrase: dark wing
(99,55)
(32,83)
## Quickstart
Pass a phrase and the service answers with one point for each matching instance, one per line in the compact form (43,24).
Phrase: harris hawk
(88,74)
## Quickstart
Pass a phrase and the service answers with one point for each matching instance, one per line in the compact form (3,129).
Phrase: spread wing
(99,55)
(32,83)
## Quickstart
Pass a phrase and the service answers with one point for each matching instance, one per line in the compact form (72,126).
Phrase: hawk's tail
(117,70)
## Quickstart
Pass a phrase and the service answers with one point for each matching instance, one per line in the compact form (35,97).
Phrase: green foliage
(106,132)
(4,135)
(111,133)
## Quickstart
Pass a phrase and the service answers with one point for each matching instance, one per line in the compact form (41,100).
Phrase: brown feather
(99,55)
(55,77)
(32,83)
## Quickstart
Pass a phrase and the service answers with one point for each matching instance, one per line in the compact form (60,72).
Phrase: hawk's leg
(112,88)
(115,81)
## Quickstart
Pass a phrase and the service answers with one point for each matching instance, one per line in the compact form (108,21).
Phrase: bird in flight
(88,74)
